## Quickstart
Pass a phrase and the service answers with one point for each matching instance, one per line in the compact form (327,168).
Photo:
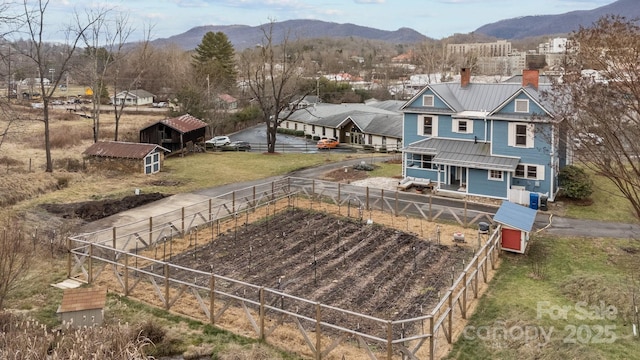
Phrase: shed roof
(463,153)
(515,216)
(139,93)
(122,150)
(183,124)
(83,299)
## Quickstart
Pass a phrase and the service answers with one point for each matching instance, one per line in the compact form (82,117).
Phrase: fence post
(262,314)
(210,209)
(430,207)
(90,275)
(318,333)
(166,286)
(367,198)
(182,226)
(464,294)
(151,230)
(126,274)
(465,212)
(68,256)
(389,340)
(450,317)
(233,201)
(382,200)
(212,301)
(254,196)
(114,237)
(396,210)
(339,190)
(477,273)
(273,190)
(432,339)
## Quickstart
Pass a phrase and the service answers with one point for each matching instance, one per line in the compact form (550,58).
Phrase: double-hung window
(428,125)
(530,172)
(521,135)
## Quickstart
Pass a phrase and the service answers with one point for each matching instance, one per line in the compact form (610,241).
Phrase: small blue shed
(517,223)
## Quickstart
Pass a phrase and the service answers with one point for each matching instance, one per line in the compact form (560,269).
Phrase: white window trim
(455,126)
(154,159)
(428,100)
(539,172)
(434,125)
(501,178)
(511,141)
(521,101)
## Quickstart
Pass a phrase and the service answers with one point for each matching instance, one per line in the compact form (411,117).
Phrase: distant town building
(489,49)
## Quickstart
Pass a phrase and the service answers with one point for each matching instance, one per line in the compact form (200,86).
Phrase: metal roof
(83,299)
(182,124)
(123,150)
(371,118)
(481,97)
(134,94)
(515,216)
(463,153)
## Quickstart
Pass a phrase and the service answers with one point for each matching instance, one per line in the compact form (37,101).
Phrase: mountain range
(532,26)
(244,36)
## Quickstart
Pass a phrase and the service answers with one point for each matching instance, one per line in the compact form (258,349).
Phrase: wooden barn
(125,156)
(517,223)
(175,134)
(83,307)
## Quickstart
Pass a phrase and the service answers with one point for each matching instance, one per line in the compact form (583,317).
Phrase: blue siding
(510,108)
(411,129)
(480,184)
(437,103)
(445,129)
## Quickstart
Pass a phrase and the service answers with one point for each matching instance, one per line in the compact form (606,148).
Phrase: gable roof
(183,124)
(372,119)
(80,299)
(463,153)
(123,150)
(482,97)
(515,216)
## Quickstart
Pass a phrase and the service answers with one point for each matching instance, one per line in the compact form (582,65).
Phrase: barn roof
(515,216)
(123,150)
(83,299)
(183,124)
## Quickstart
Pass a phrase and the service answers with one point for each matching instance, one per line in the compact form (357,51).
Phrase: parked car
(218,141)
(327,143)
(237,146)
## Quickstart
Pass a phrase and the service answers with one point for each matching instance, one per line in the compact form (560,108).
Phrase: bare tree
(14,258)
(273,77)
(40,53)
(599,100)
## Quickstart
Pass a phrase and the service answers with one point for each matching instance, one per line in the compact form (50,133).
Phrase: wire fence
(136,260)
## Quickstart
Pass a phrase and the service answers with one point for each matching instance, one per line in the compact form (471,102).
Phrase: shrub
(575,182)
(364,166)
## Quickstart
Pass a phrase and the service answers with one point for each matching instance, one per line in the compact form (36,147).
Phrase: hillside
(530,26)
(243,36)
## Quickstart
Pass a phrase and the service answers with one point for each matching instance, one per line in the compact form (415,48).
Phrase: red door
(511,239)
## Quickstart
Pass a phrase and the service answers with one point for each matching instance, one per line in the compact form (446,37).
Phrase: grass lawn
(567,299)
(608,204)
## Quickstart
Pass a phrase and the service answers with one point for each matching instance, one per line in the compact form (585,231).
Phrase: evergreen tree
(215,60)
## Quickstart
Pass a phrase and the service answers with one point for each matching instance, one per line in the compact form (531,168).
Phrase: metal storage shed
(517,223)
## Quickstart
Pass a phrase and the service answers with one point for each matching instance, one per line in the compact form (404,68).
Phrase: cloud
(369,1)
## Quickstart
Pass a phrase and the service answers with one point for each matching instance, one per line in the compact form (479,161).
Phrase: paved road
(546,222)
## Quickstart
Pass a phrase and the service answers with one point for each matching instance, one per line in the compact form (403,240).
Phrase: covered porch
(460,167)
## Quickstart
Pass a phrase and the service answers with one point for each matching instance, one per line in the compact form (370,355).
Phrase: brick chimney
(530,77)
(465,77)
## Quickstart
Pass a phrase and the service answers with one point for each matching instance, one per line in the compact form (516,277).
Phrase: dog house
(517,223)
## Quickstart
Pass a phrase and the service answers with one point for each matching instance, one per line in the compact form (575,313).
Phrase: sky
(433,18)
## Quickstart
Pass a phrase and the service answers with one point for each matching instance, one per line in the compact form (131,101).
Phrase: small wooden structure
(126,156)
(517,223)
(83,307)
(176,133)
(133,98)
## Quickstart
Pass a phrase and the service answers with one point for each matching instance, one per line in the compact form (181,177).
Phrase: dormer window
(522,106)
(427,100)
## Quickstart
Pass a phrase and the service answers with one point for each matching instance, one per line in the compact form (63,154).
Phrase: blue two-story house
(494,140)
